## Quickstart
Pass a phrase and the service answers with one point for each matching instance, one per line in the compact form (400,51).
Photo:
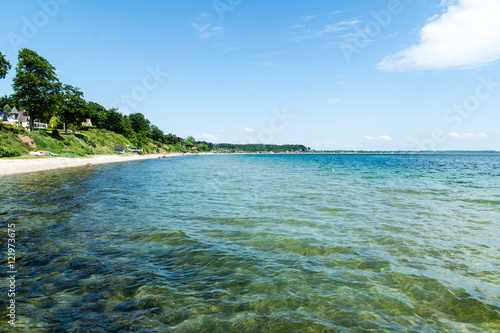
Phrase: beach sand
(19,166)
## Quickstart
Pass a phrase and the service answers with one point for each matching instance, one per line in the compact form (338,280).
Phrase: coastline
(10,167)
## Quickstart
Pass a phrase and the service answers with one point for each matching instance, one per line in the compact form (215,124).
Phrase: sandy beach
(19,166)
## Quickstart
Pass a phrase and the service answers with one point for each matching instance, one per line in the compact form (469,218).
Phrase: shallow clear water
(270,243)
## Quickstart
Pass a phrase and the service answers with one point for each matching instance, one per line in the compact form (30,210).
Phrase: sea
(255,243)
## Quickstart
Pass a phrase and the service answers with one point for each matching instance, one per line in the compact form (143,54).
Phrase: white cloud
(479,135)
(308,18)
(466,35)
(379,138)
(333,101)
(249,130)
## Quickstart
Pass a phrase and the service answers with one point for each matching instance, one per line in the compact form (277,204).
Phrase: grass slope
(93,141)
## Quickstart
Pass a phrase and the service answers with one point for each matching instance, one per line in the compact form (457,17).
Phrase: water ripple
(260,243)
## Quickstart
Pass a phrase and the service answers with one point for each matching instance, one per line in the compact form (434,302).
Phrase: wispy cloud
(308,32)
(308,18)
(333,101)
(385,138)
(249,130)
(207,31)
(462,136)
(466,35)
(204,28)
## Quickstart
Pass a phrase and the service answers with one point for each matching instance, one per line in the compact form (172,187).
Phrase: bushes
(10,145)
(56,135)
(12,129)
(11,152)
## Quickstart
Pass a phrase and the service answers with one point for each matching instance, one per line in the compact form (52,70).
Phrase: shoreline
(10,167)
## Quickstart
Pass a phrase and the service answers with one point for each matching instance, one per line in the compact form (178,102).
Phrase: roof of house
(22,118)
(14,111)
(87,122)
(4,116)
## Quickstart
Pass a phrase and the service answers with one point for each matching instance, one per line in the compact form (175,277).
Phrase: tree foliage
(157,134)
(97,113)
(142,139)
(72,108)
(6,100)
(53,122)
(139,123)
(4,66)
(35,85)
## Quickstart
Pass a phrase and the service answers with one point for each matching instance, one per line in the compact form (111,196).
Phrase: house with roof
(120,149)
(7,118)
(15,113)
(23,120)
(4,117)
(87,122)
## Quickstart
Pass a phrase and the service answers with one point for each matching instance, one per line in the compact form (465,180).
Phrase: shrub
(10,152)
(56,135)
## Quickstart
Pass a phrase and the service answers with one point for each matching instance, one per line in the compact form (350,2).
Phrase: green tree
(157,134)
(4,66)
(190,142)
(72,107)
(53,122)
(4,100)
(171,139)
(114,121)
(128,132)
(142,139)
(7,108)
(35,85)
(97,113)
(139,123)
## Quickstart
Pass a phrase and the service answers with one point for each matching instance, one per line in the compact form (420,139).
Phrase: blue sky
(356,74)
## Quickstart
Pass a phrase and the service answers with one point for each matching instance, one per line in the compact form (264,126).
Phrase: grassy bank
(17,142)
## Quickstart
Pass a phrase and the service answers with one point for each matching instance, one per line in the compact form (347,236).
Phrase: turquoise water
(259,243)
